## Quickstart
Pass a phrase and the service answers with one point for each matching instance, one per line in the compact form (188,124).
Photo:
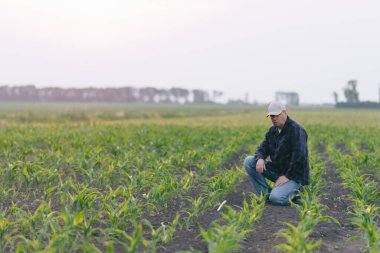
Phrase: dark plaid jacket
(288,151)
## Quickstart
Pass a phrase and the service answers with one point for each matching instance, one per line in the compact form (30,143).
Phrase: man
(282,157)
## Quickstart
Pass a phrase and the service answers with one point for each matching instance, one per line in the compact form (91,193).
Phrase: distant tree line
(352,98)
(29,93)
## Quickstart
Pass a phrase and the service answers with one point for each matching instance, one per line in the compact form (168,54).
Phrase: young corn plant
(120,208)
(7,231)
(366,220)
(70,227)
(65,237)
(161,192)
(362,189)
(163,234)
(71,231)
(5,194)
(87,247)
(296,237)
(222,239)
(82,200)
(194,211)
(247,215)
(35,226)
(212,161)
(187,180)
(117,214)
(311,209)
(130,243)
(27,245)
(11,174)
(227,238)
(218,186)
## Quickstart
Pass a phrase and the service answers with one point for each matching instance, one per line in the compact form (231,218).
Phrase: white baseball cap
(275,108)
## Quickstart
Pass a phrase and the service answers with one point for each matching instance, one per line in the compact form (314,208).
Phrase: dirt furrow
(335,237)
(264,237)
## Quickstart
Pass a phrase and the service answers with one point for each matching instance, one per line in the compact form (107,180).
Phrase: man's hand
(281,180)
(260,166)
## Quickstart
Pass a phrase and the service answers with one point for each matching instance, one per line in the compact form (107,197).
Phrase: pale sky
(236,46)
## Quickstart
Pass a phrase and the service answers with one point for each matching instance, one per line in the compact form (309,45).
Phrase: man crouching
(282,157)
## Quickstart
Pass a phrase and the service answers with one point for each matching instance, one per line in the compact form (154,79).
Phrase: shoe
(297,200)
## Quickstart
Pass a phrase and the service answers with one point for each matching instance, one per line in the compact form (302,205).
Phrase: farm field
(120,178)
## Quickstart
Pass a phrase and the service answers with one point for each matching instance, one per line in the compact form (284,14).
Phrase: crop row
(364,194)
(310,211)
(355,151)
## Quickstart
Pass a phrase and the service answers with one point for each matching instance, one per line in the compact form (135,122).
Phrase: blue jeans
(279,195)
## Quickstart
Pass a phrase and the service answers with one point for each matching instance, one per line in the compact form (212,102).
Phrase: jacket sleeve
(263,150)
(299,156)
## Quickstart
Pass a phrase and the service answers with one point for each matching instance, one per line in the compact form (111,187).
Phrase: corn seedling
(223,238)
(162,234)
(296,239)
(130,243)
(247,215)
(7,230)
(194,211)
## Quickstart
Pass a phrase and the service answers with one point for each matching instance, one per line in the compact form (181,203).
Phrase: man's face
(279,120)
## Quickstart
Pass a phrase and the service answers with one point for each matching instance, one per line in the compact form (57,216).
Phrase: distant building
(288,98)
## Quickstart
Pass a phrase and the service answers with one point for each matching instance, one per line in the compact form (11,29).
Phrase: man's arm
(298,162)
(261,154)
(262,150)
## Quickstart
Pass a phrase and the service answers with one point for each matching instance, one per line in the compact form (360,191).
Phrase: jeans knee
(278,199)
(249,164)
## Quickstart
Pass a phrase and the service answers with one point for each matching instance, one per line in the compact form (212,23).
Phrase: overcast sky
(236,46)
